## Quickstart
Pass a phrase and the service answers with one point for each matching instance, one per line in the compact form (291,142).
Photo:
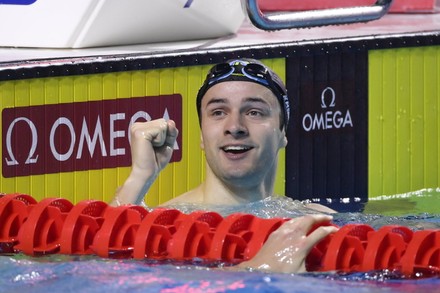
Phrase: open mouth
(236,149)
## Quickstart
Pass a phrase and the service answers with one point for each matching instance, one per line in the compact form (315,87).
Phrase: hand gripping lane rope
(55,225)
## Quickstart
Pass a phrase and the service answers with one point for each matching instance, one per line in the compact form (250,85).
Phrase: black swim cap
(247,70)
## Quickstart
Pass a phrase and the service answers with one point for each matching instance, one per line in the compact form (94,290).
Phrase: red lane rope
(55,225)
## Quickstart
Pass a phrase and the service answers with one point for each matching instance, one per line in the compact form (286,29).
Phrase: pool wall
(365,119)
(404,124)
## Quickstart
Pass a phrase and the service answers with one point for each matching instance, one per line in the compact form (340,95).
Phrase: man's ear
(284,142)
(202,144)
(283,139)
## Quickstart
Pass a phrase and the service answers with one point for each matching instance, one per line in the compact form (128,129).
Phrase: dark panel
(327,154)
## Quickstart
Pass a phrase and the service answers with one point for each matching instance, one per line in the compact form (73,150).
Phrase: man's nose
(236,125)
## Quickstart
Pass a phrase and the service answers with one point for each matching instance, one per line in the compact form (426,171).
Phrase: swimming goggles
(246,71)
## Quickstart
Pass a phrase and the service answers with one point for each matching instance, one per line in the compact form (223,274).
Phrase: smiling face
(241,136)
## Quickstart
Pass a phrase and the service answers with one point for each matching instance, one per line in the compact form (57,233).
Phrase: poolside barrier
(55,225)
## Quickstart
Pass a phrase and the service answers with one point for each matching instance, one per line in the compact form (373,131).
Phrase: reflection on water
(417,202)
(61,273)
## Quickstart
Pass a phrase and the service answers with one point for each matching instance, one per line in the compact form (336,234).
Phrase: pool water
(63,273)
(88,274)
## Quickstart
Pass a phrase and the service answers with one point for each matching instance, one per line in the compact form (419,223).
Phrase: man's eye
(255,113)
(217,113)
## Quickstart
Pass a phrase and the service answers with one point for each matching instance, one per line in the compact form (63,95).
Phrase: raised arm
(151,149)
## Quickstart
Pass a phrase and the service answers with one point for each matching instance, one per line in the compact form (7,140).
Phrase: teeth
(235,148)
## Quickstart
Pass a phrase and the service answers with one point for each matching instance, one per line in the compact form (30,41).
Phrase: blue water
(90,274)
(62,273)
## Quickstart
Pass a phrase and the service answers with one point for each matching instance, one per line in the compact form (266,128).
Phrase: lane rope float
(91,227)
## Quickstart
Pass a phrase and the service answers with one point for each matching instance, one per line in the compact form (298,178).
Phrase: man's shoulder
(192,196)
(320,208)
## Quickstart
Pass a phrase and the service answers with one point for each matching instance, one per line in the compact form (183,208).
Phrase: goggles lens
(253,71)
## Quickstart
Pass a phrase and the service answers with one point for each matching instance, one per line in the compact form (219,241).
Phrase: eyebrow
(256,100)
(247,100)
(216,101)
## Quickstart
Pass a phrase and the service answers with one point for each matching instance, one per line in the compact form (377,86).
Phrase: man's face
(241,136)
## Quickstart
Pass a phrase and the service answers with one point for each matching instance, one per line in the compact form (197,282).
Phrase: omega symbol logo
(333,98)
(329,117)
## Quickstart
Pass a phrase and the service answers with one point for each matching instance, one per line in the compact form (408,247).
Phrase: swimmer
(243,113)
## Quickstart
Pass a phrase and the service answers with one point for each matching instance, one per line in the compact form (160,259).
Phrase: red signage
(79,136)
